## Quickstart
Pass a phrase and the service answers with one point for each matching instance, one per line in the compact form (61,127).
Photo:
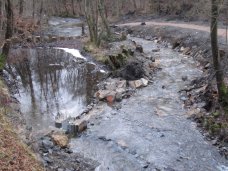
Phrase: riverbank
(193,40)
(14,154)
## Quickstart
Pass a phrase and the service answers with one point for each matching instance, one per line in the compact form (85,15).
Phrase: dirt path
(221,32)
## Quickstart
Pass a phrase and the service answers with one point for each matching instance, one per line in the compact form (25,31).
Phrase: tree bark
(21,7)
(222,89)
(8,34)
(102,14)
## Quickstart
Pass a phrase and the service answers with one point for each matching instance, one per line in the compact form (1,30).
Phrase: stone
(81,126)
(37,39)
(132,71)
(156,41)
(119,97)
(182,49)
(144,82)
(139,48)
(110,85)
(110,99)
(47,144)
(187,51)
(46,38)
(29,39)
(58,123)
(54,39)
(156,50)
(138,83)
(132,84)
(184,78)
(102,94)
(122,144)
(120,90)
(148,38)
(77,127)
(48,160)
(122,84)
(60,139)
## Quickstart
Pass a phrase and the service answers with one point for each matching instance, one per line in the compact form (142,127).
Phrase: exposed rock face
(132,71)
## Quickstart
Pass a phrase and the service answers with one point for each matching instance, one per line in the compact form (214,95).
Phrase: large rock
(132,71)
(102,94)
(138,83)
(144,82)
(60,139)
(77,127)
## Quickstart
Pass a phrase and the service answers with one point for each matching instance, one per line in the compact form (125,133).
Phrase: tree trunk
(72,3)
(222,89)
(102,14)
(135,5)
(8,34)
(21,7)
(33,9)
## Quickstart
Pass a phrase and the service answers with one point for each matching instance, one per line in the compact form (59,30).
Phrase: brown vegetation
(14,155)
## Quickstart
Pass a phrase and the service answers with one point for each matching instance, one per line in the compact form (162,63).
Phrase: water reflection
(51,83)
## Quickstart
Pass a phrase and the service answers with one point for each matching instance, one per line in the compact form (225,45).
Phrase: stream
(149,132)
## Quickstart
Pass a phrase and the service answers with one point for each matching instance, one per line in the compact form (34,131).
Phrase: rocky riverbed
(137,119)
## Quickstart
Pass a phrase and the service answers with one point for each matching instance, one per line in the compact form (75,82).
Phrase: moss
(215,128)
(208,122)
(216,114)
(224,98)
(2,61)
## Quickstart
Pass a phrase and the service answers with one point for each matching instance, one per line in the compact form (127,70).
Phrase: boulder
(132,84)
(102,94)
(132,71)
(77,127)
(60,139)
(138,84)
(144,82)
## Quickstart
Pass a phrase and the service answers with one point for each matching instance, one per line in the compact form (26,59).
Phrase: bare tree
(21,7)
(8,34)
(222,88)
